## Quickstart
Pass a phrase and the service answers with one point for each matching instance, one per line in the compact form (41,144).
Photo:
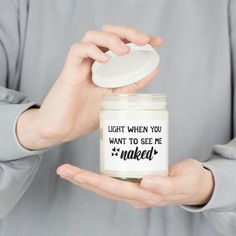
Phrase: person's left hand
(188,183)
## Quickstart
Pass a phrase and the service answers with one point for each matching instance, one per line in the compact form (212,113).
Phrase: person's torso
(195,75)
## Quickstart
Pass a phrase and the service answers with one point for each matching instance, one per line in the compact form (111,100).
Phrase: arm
(221,208)
(16,162)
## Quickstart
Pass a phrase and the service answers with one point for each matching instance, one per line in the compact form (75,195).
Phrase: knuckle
(91,47)
(74,48)
(134,31)
(88,34)
(83,46)
(111,39)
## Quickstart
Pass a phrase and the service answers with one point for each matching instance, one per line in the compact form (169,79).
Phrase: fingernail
(65,172)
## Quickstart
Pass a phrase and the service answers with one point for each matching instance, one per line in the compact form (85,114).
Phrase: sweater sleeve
(221,208)
(17,165)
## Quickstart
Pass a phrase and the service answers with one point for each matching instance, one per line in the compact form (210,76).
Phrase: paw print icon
(115,151)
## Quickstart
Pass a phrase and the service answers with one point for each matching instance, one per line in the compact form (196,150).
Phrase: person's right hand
(71,108)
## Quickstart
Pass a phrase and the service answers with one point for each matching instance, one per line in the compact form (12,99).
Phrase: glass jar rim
(145,95)
(134,101)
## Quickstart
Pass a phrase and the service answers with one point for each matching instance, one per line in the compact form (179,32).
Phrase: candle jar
(134,136)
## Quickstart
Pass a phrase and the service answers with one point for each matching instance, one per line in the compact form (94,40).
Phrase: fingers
(106,40)
(129,34)
(119,189)
(112,38)
(134,203)
(156,41)
(63,171)
(80,51)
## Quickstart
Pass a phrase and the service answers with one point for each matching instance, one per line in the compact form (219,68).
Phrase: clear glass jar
(134,136)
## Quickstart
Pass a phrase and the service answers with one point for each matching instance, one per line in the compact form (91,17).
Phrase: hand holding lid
(71,107)
(126,69)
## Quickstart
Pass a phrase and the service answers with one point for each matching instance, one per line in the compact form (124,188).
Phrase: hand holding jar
(188,183)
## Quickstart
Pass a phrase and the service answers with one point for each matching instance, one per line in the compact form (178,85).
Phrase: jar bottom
(133,180)
(132,176)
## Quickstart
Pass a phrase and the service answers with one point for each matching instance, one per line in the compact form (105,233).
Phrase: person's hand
(71,108)
(188,183)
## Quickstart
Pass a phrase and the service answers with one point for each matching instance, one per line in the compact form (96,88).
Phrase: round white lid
(120,71)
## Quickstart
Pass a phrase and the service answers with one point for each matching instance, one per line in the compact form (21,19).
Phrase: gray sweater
(198,73)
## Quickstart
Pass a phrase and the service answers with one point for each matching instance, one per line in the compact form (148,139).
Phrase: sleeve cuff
(9,145)
(224,193)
